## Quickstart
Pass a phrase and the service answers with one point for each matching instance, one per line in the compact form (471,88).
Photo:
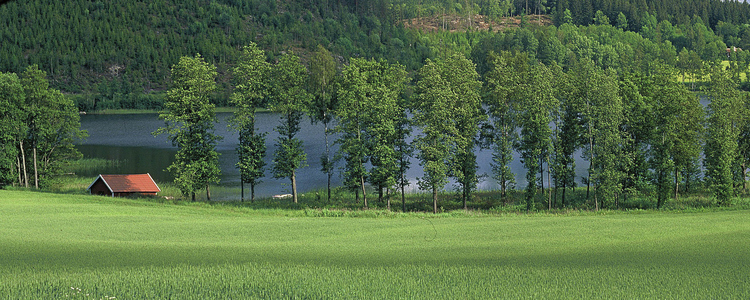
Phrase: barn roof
(130,183)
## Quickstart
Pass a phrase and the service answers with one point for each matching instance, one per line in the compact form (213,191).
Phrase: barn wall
(99,188)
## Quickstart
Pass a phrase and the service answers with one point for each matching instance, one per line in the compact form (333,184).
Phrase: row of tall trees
(635,130)
(39,125)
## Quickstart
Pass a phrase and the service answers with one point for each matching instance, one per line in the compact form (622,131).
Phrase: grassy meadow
(89,247)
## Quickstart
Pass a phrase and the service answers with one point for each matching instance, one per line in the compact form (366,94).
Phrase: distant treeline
(119,54)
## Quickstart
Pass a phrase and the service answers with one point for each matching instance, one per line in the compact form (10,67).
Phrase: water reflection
(129,139)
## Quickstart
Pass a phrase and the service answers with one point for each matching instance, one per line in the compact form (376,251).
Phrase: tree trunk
(208,193)
(328,154)
(676,184)
(193,196)
(541,174)
(388,200)
(364,194)
(744,177)
(403,194)
(588,183)
(466,193)
(434,199)
(36,171)
(380,194)
(502,189)
(549,181)
(591,168)
(18,161)
(294,186)
(403,198)
(252,192)
(242,190)
(554,196)
(329,186)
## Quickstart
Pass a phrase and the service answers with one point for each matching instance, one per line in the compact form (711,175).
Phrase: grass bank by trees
(70,245)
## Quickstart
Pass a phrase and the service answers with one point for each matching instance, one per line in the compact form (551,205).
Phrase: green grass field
(56,246)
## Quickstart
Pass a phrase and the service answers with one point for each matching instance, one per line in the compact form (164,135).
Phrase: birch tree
(463,80)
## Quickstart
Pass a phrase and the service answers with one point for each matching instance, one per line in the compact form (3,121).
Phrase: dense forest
(622,85)
(118,54)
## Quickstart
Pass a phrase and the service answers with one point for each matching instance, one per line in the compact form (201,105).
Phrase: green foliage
(448,109)
(432,112)
(190,120)
(324,103)
(467,115)
(674,129)
(252,81)
(12,127)
(499,97)
(601,19)
(535,104)
(595,93)
(725,119)
(291,100)
(622,21)
(368,113)
(51,125)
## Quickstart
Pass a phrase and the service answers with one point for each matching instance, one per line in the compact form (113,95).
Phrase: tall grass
(55,246)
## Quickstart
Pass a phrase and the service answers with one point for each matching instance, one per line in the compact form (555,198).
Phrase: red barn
(124,185)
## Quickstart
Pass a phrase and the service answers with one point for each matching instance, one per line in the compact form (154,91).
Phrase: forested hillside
(618,89)
(117,54)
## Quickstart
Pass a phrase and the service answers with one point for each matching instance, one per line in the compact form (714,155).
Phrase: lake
(128,138)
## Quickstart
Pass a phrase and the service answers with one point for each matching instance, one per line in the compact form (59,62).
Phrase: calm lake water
(128,138)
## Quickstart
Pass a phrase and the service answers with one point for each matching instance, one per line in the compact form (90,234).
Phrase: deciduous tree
(11,128)
(52,123)
(290,99)
(465,86)
(369,114)
(432,113)
(602,112)
(322,87)
(190,119)
(499,97)
(725,118)
(252,82)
